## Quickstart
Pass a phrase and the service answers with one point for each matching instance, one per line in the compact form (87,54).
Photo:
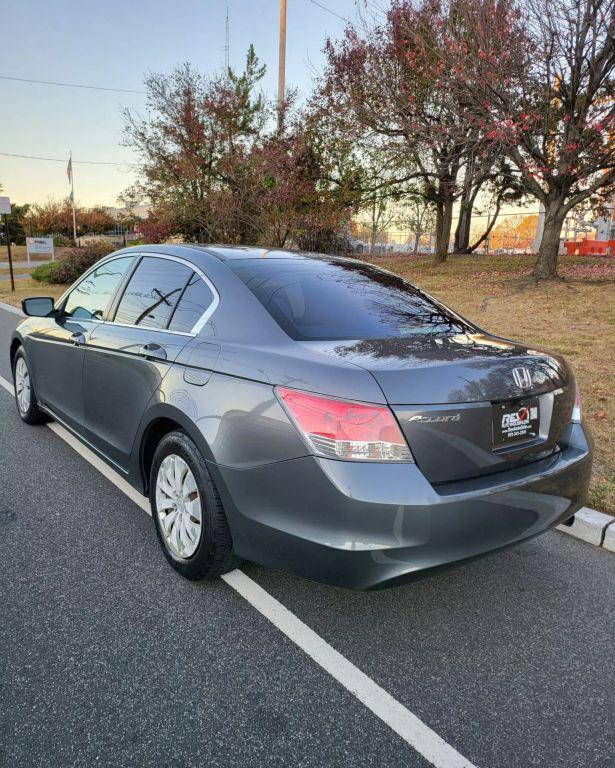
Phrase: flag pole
(72,197)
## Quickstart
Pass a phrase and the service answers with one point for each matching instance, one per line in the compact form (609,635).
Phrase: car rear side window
(152,292)
(318,299)
(194,302)
(89,298)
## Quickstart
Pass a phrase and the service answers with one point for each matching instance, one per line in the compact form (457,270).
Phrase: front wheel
(187,511)
(25,396)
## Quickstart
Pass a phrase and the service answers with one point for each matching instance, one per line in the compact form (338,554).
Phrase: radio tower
(226,46)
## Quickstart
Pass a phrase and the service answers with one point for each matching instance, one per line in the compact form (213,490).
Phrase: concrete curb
(10,308)
(609,538)
(592,526)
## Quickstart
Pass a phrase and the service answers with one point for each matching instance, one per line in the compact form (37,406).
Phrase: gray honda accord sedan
(306,412)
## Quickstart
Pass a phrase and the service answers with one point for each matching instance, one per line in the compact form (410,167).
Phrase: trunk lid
(459,399)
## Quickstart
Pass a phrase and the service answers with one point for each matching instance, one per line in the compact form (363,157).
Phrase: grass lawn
(24,288)
(18,253)
(574,316)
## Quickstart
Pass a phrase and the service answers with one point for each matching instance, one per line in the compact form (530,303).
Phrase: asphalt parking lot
(109,658)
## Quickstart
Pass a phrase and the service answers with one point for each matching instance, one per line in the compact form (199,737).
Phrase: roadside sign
(39,245)
(5,205)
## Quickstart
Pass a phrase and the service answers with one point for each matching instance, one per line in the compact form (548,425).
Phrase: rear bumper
(364,526)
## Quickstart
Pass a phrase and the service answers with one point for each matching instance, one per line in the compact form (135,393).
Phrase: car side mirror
(37,306)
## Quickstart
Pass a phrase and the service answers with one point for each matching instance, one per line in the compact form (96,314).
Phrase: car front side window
(89,298)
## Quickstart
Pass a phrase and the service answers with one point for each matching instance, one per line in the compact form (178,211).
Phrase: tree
(194,150)
(215,168)
(95,220)
(383,88)
(540,78)
(55,217)
(514,233)
(16,220)
(419,216)
(388,81)
(51,217)
(298,191)
(377,193)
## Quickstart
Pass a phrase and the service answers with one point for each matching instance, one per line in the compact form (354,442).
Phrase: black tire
(33,415)
(214,554)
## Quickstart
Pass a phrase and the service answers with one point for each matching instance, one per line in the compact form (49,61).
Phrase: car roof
(233,252)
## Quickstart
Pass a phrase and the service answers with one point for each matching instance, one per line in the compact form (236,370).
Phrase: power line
(70,85)
(328,10)
(64,160)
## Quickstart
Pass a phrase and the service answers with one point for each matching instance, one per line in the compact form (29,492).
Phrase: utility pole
(69,171)
(8,250)
(282,63)
(5,210)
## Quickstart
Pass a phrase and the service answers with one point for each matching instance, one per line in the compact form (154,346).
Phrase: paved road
(109,658)
(17,277)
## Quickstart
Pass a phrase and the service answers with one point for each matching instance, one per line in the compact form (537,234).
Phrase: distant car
(310,413)
(356,246)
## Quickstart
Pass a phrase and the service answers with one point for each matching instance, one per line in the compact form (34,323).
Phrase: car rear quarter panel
(235,422)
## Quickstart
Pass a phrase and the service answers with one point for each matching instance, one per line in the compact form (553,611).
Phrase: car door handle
(153,350)
(77,338)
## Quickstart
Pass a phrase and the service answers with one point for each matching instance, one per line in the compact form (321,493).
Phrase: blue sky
(113,44)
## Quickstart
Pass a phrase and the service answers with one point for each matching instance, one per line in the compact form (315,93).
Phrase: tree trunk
(372,239)
(546,263)
(374,230)
(468,196)
(444,221)
(417,240)
(462,233)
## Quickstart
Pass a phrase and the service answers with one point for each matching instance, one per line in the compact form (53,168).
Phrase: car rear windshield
(316,299)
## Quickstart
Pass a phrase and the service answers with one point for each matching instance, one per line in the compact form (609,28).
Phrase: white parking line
(407,725)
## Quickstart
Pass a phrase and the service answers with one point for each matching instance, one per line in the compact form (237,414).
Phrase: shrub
(61,241)
(44,273)
(77,261)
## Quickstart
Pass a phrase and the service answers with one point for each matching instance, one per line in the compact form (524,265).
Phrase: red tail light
(345,430)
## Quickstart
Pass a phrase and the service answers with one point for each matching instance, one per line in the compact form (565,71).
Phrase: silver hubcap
(22,385)
(178,506)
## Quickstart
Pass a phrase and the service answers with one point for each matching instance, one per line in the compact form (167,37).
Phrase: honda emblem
(522,377)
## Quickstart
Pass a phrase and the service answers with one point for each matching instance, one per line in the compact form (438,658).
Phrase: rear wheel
(187,511)
(25,396)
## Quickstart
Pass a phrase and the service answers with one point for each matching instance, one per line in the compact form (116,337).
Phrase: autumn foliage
(463,93)
(443,101)
(216,167)
(56,217)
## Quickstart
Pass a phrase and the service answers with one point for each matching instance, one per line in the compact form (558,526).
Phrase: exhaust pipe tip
(569,522)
